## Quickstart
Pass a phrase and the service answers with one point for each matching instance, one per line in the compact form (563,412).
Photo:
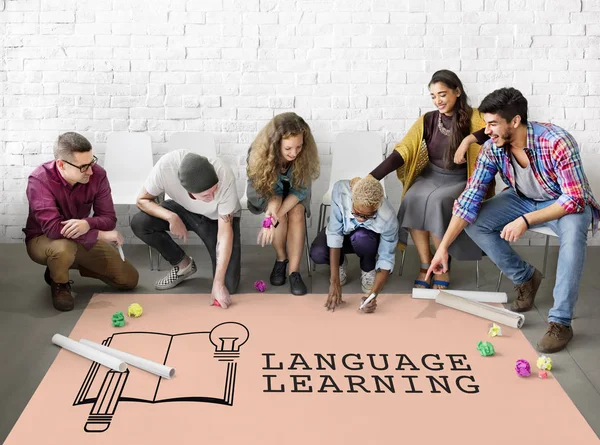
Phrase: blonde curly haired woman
(362,221)
(282,163)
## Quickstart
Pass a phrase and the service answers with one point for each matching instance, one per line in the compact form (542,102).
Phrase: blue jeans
(571,230)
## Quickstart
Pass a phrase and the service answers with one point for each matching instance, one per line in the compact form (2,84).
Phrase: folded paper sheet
(158,369)
(492,313)
(90,353)
(483,297)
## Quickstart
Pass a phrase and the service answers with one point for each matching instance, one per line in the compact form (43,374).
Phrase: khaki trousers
(102,261)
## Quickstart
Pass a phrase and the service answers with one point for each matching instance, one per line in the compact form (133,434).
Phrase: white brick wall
(227,66)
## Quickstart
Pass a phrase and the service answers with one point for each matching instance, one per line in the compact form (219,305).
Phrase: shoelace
(280,266)
(554,330)
(66,285)
(520,293)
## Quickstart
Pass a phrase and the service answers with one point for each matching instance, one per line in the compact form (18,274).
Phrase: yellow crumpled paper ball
(544,363)
(495,331)
(135,310)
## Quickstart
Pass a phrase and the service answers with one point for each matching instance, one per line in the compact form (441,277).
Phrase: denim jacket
(342,222)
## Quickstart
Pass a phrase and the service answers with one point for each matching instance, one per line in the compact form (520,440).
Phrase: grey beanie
(196,173)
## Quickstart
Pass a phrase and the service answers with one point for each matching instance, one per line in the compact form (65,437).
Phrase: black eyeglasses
(85,167)
(363,216)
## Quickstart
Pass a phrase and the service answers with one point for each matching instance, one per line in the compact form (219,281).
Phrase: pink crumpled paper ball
(267,222)
(260,286)
(523,369)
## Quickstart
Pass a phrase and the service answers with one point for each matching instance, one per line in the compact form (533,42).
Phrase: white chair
(128,163)
(588,160)
(199,142)
(353,154)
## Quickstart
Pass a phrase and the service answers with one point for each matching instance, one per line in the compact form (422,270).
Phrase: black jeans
(154,232)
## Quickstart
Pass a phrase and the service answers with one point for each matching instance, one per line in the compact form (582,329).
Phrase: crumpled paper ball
(544,363)
(485,348)
(118,319)
(134,310)
(542,374)
(260,285)
(495,331)
(522,368)
(216,303)
(267,222)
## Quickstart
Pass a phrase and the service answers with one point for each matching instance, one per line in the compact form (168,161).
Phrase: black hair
(461,116)
(507,102)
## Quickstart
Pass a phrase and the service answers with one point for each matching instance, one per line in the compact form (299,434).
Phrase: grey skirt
(428,204)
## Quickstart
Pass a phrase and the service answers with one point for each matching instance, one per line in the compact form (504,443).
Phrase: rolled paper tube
(492,313)
(90,353)
(482,297)
(144,364)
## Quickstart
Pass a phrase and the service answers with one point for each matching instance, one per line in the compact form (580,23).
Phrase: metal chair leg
(307,246)
(324,219)
(150,258)
(546,255)
(477,274)
(401,268)
(499,282)
(321,208)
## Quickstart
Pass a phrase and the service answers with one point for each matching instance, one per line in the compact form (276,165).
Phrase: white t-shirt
(164,178)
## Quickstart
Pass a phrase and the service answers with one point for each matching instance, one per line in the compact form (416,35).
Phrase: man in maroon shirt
(61,234)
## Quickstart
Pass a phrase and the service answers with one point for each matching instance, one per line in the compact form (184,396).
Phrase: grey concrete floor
(28,321)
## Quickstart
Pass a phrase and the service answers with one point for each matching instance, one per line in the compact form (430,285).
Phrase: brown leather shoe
(556,338)
(62,299)
(526,293)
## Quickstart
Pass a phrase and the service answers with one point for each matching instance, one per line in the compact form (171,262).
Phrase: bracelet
(268,222)
(526,222)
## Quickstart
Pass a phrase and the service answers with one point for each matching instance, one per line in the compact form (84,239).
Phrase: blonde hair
(367,192)
(265,160)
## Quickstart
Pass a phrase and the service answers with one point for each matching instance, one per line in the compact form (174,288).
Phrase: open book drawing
(206,364)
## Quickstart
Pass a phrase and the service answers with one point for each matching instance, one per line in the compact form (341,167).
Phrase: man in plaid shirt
(547,186)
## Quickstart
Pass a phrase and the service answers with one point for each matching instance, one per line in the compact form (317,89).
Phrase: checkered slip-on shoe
(176,276)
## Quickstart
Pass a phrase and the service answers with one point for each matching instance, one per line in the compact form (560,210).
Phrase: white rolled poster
(492,313)
(155,368)
(482,297)
(90,353)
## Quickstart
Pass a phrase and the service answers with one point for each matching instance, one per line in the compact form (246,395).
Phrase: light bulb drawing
(227,338)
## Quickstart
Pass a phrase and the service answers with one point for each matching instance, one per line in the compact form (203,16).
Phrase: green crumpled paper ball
(485,348)
(118,319)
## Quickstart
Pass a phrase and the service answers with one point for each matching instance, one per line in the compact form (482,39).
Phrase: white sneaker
(343,275)
(176,276)
(367,279)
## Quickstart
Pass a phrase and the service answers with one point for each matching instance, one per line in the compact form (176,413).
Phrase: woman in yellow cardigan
(425,162)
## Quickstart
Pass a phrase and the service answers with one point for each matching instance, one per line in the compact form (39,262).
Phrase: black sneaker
(47,278)
(297,286)
(278,273)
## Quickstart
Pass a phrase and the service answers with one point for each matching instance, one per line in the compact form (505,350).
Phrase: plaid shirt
(556,163)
